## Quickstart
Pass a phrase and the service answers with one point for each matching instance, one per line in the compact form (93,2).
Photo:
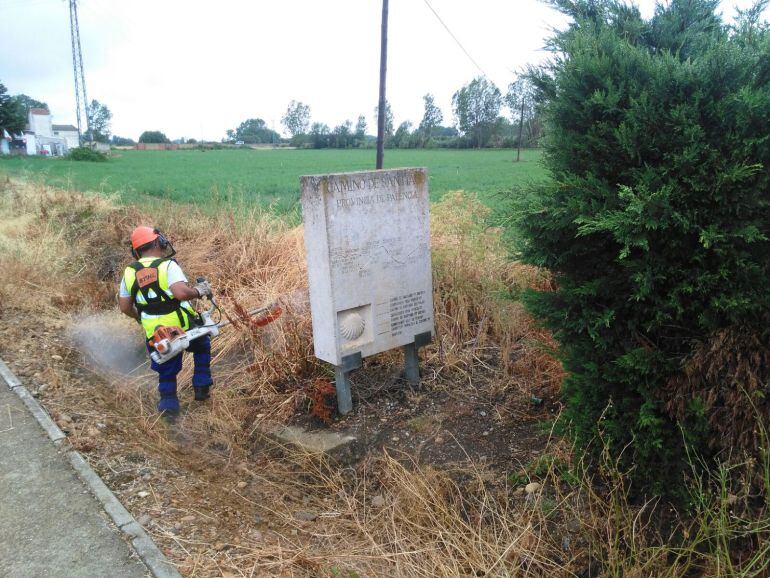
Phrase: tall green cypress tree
(656,224)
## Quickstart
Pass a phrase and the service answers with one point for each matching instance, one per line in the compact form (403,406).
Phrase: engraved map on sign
(385,254)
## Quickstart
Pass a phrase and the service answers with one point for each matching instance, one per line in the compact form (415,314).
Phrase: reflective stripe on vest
(151,322)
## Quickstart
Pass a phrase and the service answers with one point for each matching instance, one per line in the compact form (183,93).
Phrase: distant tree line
(477,111)
(120,141)
(478,123)
(153,136)
(253,131)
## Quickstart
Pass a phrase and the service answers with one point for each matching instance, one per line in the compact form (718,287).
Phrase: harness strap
(162,308)
(160,303)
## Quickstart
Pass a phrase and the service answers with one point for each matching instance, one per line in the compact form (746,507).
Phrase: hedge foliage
(656,224)
(86,153)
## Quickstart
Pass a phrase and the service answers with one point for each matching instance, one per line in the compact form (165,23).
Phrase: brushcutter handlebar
(203,288)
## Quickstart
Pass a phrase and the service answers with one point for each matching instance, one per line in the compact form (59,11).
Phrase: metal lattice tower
(81,100)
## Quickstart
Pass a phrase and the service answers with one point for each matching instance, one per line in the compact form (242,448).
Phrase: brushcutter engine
(168,342)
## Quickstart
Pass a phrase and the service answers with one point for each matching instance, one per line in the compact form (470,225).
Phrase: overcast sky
(194,68)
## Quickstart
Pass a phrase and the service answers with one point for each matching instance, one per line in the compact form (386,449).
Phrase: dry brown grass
(264,376)
(253,258)
(62,253)
(728,375)
(474,280)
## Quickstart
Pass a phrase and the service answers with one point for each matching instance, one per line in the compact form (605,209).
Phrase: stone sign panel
(367,238)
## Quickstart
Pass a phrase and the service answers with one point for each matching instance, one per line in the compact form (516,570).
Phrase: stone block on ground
(340,446)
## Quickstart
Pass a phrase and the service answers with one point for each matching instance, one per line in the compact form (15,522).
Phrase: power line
(476,64)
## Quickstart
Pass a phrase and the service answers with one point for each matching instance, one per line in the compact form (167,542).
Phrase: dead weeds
(445,483)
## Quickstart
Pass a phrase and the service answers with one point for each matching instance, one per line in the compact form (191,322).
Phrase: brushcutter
(168,342)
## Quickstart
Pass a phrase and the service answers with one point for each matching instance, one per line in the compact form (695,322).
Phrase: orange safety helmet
(143,235)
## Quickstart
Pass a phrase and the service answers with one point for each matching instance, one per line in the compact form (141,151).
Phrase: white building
(40,137)
(69,133)
(40,122)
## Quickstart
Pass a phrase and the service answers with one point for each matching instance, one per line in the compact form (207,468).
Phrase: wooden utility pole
(383,102)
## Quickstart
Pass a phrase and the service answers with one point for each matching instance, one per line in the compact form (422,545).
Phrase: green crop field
(271,176)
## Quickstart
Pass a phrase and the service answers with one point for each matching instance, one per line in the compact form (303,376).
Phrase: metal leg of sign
(342,382)
(344,397)
(411,364)
(412,359)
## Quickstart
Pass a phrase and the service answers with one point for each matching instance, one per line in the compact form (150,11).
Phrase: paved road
(50,525)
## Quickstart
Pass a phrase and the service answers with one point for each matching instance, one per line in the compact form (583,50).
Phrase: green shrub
(656,221)
(86,154)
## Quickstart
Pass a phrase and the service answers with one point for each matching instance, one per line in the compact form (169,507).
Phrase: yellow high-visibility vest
(147,282)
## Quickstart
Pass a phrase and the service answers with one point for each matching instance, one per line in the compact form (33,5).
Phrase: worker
(154,291)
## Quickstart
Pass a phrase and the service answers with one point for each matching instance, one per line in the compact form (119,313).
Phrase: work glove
(203,288)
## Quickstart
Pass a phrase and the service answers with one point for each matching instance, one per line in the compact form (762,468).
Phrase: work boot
(169,404)
(169,416)
(201,393)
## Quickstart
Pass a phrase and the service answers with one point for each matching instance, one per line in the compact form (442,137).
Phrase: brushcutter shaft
(168,345)
(251,313)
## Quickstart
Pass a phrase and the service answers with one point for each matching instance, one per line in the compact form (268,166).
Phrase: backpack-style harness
(157,301)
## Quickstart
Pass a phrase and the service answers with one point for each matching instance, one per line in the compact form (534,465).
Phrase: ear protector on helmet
(162,242)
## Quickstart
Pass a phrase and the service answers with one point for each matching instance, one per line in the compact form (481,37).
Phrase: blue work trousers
(167,372)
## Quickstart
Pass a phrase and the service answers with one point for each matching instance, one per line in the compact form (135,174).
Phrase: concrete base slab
(340,446)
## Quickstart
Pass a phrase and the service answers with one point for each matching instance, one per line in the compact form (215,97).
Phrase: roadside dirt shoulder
(214,509)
